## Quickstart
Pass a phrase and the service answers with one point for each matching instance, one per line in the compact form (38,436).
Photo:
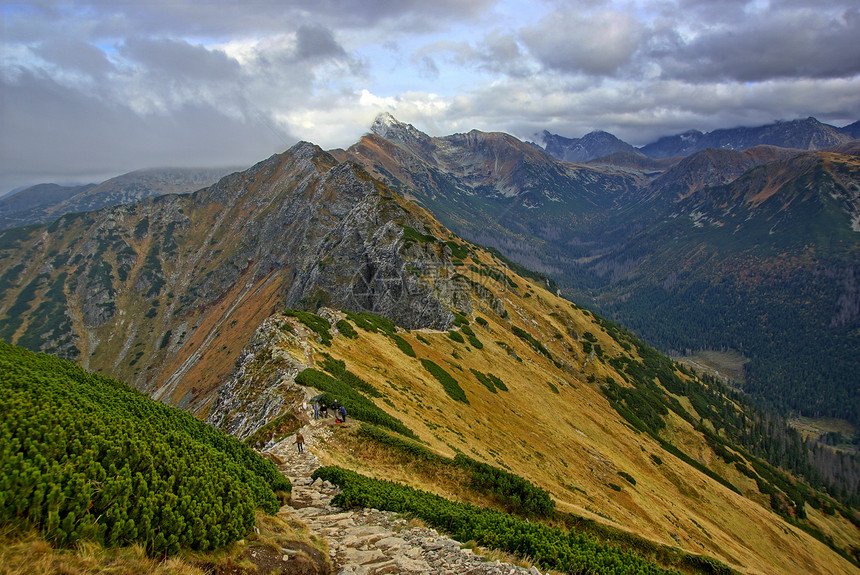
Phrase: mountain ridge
(24,207)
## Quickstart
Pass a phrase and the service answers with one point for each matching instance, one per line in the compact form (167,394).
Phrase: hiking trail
(369,541)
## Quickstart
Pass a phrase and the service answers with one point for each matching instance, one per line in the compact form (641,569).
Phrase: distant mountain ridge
(807,134)
(592,145)
(803,134)
(43,203)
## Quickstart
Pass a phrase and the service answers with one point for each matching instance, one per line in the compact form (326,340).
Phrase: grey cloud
(498,52)
(591,43)
(427,67)
(224,17)
(69,53)
(317,42)
(790,44)
(180,58)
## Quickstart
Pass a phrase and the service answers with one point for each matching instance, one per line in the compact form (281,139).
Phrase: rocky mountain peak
(593,145)
(387,126)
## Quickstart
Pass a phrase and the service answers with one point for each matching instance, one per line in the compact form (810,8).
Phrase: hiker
(335,406)
(316,410)
(342,414)
(323,409)
(300,441)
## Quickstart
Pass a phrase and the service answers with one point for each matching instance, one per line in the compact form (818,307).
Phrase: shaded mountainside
(713,167)
(427,337)
(765,264)
(46,202)
(496,190)
(808,134)
(590,146)
(23,207)
(163,293)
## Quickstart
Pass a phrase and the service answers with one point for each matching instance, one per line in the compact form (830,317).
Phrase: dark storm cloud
(802,43)
(178,58)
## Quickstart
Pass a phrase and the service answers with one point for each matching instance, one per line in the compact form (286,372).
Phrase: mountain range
(232,301)
(752,250)
(806,134)
(44,203)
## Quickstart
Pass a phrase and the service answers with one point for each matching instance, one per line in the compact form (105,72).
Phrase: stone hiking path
(369,541)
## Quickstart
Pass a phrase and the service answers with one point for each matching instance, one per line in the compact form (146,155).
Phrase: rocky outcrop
(262,385)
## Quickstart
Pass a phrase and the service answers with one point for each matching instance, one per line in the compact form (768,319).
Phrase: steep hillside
(46,202)
(691,240)
(531,383)
(165,292)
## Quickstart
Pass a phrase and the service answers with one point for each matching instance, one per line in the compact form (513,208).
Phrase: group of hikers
(321,410)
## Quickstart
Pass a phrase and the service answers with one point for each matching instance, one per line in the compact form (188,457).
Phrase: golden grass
(30,554)
(572,443)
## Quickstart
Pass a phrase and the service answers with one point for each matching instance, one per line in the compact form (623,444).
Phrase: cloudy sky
(94,89)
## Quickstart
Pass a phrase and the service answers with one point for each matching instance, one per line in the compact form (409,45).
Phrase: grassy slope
(572,442)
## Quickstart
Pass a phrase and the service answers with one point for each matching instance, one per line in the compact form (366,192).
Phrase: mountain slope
(685,239)
(764,264)
(548,418)
(496,190)
(160,293)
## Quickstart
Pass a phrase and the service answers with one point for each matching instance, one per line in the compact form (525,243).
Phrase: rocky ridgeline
(369,541)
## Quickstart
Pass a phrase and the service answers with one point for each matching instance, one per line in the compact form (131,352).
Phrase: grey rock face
(255,392)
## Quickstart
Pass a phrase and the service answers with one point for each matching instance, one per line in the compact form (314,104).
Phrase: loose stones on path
(369,541)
